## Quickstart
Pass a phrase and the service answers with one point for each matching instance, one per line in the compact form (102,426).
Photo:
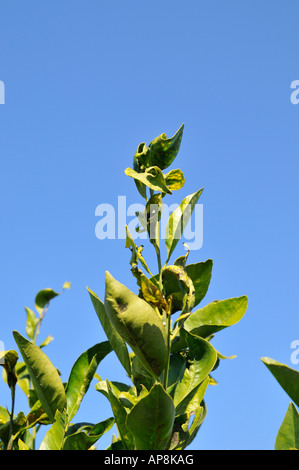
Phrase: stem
(10,442)
(37,330)
(166,372)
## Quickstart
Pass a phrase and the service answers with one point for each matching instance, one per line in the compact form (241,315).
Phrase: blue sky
(85,83)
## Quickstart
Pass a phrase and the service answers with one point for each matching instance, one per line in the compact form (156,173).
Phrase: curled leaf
(175,179)
(152,177)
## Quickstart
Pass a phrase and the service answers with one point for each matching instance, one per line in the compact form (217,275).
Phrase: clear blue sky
(85,83)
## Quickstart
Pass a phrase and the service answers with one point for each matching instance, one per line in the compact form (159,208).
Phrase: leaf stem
(13,393)
(166,371)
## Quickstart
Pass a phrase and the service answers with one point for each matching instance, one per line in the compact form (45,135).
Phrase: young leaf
(139,165)
(175,179)
(138,324)
(43,297)
(288,434)
(153,211)
(216,316)
(8,360)
(44,376)
(117,343)
(152,177)
(82,374)
(31,323)
(151,420)
(136,251)
(287,377)
(178,220)
(162,151)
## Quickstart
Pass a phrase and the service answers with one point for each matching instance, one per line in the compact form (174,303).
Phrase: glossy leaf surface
(201,359)
(216,316)
(54,438)
(43,297)
(151,420)
(287,377)
(138,323)
(117,342)
(288,434)
(200,274)
(84,436)
(178,221)
(44,376)
(162,150)
(82,374)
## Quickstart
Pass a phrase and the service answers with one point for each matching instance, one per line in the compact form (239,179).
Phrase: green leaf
(153,211)
(151,293)
(82,374)
(178,221)
(140,376)
(44,376)
(37,415)
(4,416)
(201,360)
(19,423)
(136,251)
(22,445)
(46,341)
(216,316)
(162,151)
(8,360)
(31,323)
(139,166)
(152,177)
(175,179)
(54,438)
(177,367)
(200,274)
(151,420)
(288,434)
(117,343)
(179,286)
(132,246)
(287,378)
(120,414)
(188,423)
(43,297)
(83,436)
(23,378)
(138,324)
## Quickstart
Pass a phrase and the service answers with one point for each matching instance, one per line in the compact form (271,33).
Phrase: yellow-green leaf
(178,220)
(138,324)
(44,376)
